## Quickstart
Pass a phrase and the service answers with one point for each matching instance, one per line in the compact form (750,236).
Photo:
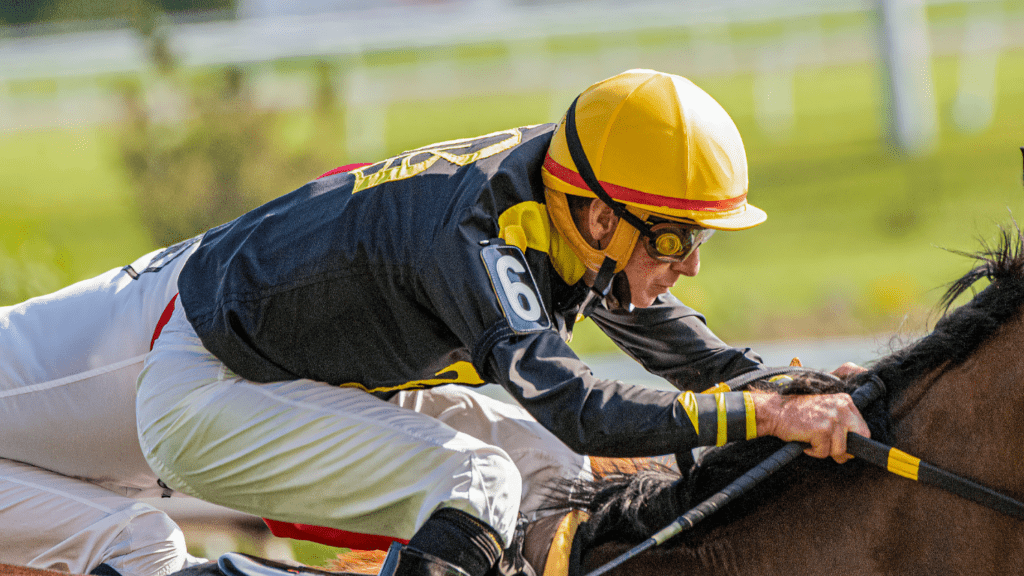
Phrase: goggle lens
(674,242)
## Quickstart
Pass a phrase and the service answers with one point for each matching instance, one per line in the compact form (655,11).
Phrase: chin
(644,302)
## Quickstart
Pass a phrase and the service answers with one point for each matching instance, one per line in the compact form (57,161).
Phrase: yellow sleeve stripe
(903,464)
(689,402)
(723,420)
(748,404)
(720,418)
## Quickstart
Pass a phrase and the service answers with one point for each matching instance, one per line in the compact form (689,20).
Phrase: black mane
(960,332)
(630,507)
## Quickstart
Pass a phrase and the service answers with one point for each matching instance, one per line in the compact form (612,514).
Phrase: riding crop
(862,397)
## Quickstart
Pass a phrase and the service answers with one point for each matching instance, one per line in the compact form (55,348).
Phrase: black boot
(450,543)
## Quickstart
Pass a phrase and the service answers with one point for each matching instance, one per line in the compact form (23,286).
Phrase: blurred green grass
(65,211)
(850,247)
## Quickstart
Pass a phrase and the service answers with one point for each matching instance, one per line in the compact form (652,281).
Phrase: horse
(954,399)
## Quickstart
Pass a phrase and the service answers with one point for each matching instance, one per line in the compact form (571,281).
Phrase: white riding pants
(51,521)
(70,462)
(306,452)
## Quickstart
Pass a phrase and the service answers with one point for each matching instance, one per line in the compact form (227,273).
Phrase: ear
(601,222)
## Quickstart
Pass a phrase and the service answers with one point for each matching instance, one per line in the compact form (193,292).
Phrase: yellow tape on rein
(903,464)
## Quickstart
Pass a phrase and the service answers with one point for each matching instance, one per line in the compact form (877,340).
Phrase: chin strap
(620,296)
(600,288)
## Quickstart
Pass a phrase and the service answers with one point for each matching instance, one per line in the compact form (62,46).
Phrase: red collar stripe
(345,168)
(624,194)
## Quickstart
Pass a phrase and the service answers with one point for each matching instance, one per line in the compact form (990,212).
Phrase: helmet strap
(620,295)
(579,158)
(603,282)
(619,247)
(600,288)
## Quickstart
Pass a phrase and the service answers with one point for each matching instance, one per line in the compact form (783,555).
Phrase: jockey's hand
(848,369)
(819,420)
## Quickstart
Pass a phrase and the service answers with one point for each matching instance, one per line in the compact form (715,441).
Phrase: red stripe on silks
(624,194)
(164,319)
(345,168)
(330,536)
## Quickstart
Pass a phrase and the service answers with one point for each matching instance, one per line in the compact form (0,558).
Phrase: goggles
(674,241)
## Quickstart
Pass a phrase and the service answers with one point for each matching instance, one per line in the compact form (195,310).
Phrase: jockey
(316,363)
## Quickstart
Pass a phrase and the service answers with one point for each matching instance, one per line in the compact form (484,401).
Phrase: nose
(689,267)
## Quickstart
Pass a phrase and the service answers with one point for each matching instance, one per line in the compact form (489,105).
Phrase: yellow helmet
(658,145)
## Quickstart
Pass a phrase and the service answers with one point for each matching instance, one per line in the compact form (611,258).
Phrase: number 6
(515,289)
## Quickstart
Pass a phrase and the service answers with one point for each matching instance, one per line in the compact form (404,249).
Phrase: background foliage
(49,11)
(221,160)
(854,225)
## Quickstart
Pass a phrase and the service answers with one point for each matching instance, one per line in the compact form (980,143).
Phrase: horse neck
(970,419)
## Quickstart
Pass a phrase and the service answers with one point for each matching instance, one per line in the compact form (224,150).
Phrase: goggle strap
(579,157)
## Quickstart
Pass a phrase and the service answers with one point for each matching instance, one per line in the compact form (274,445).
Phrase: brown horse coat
(956,401)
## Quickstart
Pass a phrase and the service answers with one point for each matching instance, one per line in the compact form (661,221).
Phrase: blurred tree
(208,152)
(32,11)
(22,11)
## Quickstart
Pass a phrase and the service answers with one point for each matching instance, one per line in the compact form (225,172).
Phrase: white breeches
(51,521)
(303,451)
(69,362)
(70,460)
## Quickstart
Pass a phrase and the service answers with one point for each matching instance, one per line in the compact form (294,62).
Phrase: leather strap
(579,158)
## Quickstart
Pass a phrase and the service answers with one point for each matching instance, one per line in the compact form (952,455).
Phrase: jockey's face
(649,278)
